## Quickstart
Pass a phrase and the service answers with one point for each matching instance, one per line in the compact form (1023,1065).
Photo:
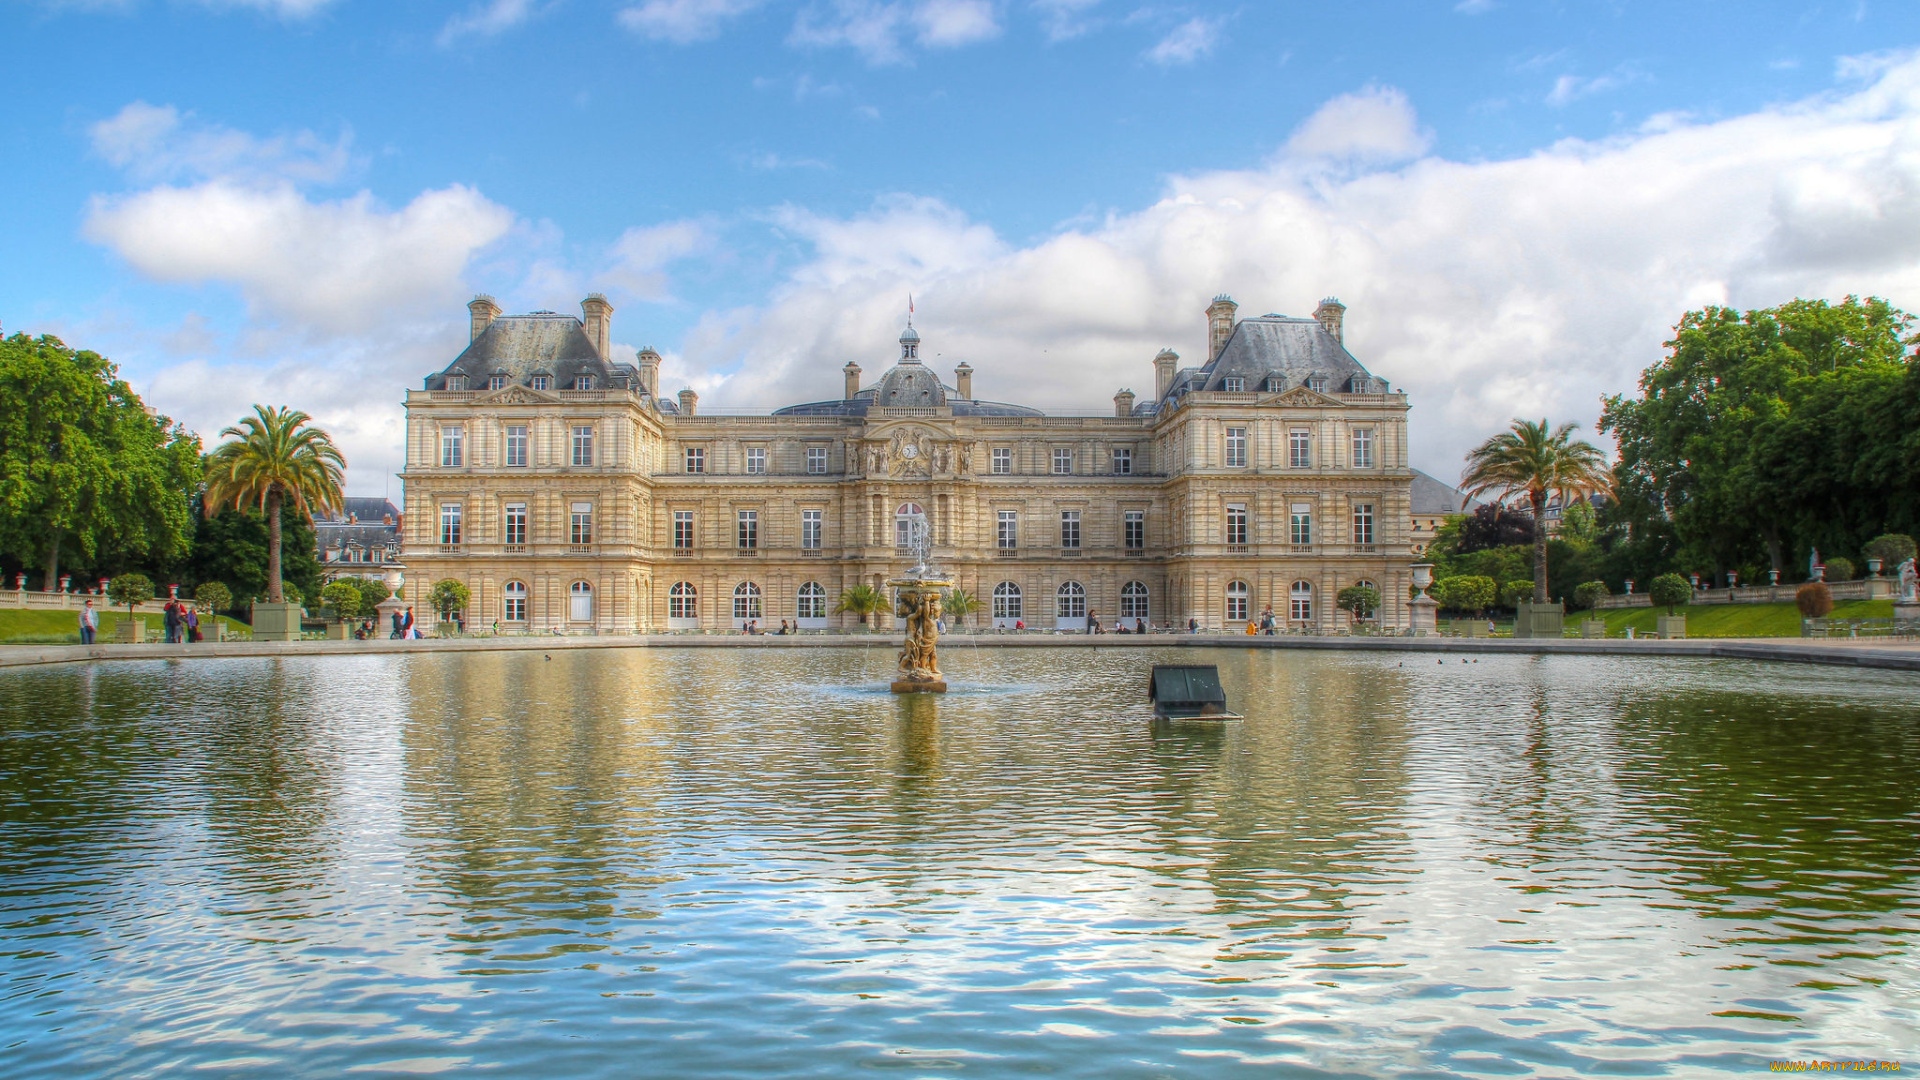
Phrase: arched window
(813,601)
(1133,600)
(746,602)
(1300,602)
(1007,607)
(1239,598)
(683,601)
(515,607)
(903,523)
(580,598)
(1070,601)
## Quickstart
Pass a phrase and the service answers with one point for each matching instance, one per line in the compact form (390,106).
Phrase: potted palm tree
(273,459)
(959,604)
(1531,460)
(862,600)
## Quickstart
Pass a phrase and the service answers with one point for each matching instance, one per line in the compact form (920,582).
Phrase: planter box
(1539,620)
(1593,628)
(339,631)
(1468,627)
(276,622)
(1672,627)
(131,631)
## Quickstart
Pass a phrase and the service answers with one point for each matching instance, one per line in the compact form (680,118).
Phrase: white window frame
(1123,461)
(813,527)
(1300,448)
(1134,525)
(1237,528)
(580,524)
(816,461)
(1009,605)
(1239,601)
(1362,440)
(746,532)
(1300,601)
(1063,461)
(1234,384)
(1363,523)
(582,446)
(450,530)
(756,460)
(1070,530)
(683,530)
(453,446)
(1300,524)
(810,603)
(514,524)
(695,459)
(516,447)
(747,604)
(1002,461)
(1236,447)
(683,603)
(1007,530)
(513,605)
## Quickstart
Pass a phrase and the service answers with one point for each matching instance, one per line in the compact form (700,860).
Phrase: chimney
(1219,324)
(649,371)
(1123,403)
(1164,365)
(963,380)
(852,371)
(484,311)
(1332,315)
(688,399)
(597,314)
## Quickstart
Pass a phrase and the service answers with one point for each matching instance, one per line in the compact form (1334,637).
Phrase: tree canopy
(84,468)
(1532,460)
(274,458)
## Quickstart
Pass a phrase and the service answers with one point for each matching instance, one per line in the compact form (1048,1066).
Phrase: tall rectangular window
(1236,448)
(1363,448)
(1009,535)
(1062,461)
(1363,523)
(452,446)
(1123,461)
(1136,529)
(580,528)
(583,445)
(749,530)
(515,534)
(817,460)
(683,530)
(811,522)
(756,459)
(1069,528)
(450,524)
(696,459)
(516,449)
(1301,523)
(1236,525)
(1300,449)
(1002,460)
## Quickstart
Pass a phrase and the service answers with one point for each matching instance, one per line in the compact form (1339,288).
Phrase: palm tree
(863,600)
(959,604)
(1528,459)
(273,458)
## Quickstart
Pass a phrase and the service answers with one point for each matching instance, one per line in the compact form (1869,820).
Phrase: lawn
(28,627)
(1734,620)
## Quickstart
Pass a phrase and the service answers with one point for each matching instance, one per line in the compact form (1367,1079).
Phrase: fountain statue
(918,601)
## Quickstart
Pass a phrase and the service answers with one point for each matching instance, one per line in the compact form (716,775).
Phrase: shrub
(1590,593)
(213,597)
(1516,592)
(1839,569)
(343,596)
(1813,599)
(1670,591)
(1467,593)
(449,596)
(292,593)
(372,592)
(1891,549)
(1360,601)
(130,589)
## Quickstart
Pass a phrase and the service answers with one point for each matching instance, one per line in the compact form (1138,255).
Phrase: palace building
(568,494)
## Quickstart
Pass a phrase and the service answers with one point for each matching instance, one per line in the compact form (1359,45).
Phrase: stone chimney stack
(1123,403)
(852,372)
(597,314)
(1332,315)
(1219,324)
(1164,365)
(963,380)
(649,371)
(688,399)
(484,311)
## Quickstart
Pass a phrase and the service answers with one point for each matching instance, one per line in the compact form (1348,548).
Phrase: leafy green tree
(1516,592)
(343,596)
(1579,523)
(1891,549)
(274,458)
(862,600)
(372,592)
(1590,593)
(1359,601)
(212,596)
(958,604)
(449,596)
(1467,593)
(131,590)
(83,467)
(1839,568)
(1670,591)
(231,547)
(1529,459)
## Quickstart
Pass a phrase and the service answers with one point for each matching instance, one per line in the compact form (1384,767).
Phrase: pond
(717,862)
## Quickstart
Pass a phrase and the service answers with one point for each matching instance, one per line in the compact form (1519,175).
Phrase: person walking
(399,627)
(192,616)
(170,622)
(89,623)
(406,627)
(1193,625)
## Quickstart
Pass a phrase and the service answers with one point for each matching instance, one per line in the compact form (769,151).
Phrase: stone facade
(568,494)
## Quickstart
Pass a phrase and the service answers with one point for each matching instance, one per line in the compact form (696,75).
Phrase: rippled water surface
(710,863)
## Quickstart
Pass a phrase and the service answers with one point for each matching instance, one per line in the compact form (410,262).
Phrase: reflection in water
(731,862)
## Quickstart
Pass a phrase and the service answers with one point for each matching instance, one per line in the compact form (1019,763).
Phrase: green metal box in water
(1188,692)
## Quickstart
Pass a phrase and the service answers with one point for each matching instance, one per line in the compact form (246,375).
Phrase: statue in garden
(918,660)
(1909,583)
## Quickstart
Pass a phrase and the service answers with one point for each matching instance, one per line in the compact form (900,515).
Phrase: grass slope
(1735,620)
(29,627)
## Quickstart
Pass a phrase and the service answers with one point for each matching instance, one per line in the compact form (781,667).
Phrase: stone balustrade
(1860,589)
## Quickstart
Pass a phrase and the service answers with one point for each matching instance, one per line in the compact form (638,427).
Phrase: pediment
(519,395)
(1301,397)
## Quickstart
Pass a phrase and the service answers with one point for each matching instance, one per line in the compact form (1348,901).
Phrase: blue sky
(290,200)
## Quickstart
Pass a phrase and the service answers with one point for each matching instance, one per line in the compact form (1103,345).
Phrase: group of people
(403,626)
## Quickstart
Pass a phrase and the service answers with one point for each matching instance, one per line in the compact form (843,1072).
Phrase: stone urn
(1425,610)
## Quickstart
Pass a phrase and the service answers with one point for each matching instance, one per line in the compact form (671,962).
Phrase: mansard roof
(865,399)
(522,346)
(361,510)
(1437,498)
(1276,347)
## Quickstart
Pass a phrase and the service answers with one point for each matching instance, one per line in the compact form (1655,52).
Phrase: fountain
(917,600)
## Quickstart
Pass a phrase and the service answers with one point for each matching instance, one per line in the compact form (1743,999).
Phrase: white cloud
(1064,20)
(1570,88)
(487,19)
(154,142)
(880,31)
(637,260)
(1188,42)
(1487,290)
(946,24)
(683,21)
(1376,124)
(772,162)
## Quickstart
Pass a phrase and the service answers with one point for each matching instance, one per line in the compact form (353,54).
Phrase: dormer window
(497,381)
(1317,384)
(1233,384)
(456,382)
(1274,382)
(543,382)
(583,382)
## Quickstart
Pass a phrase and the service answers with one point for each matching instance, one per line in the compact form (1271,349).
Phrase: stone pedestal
(917,686)
(1879,588)
(276,622)
(1532,620)
(131,631)
(1906,611)
(1671,627)
(1426,616)
(1593,628)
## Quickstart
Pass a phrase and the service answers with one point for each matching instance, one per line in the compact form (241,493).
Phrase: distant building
(363,541)
(1434,501)
(569,494)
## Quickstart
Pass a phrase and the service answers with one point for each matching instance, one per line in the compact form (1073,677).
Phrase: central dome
(910,384)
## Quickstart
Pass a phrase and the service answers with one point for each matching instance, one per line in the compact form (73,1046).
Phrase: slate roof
(522,346)
(1274,352)
(1437,498)
(864,400)
(364,509)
